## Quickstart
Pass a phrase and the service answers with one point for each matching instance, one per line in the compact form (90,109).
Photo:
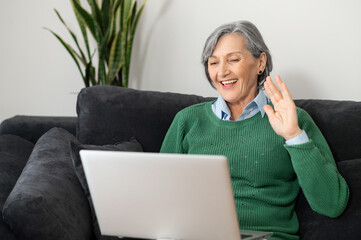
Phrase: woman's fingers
(284,90)
(273,93)
(269,111)
(283,118)
(275,121)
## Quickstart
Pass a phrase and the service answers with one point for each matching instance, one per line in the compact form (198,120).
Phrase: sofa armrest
(33,127)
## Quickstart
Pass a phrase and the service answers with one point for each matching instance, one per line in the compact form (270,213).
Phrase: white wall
(316,48)
(37,76)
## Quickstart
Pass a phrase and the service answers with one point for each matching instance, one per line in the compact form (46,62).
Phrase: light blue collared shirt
(221,110)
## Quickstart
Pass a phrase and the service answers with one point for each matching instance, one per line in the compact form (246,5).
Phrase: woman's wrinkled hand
(283,117)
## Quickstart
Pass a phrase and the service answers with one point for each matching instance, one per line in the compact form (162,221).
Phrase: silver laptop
(163,196)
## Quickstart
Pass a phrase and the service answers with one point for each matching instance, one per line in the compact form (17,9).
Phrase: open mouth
(228,82)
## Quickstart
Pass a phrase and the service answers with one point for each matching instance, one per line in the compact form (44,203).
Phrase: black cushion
(48,202)
(131,146)
(339,122)
(347,226)
(14,153)
(109,114)
(33,127)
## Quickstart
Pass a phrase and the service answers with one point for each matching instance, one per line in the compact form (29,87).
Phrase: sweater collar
(222,111)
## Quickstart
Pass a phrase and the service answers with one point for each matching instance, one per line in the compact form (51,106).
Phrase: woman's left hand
(283,118)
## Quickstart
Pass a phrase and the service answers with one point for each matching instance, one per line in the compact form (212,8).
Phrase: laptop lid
(161,196)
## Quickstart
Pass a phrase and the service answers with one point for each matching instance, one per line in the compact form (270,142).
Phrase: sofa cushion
(47,201)
(314,226)
(33,127)
(110,114)
(339,122)
(132,146)
(14,153)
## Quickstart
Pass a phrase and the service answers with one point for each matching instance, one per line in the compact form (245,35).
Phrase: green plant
(112,24)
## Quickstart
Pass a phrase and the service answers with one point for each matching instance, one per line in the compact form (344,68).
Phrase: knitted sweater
(266,174)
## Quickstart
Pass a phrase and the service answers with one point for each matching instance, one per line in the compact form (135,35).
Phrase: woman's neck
(237,108)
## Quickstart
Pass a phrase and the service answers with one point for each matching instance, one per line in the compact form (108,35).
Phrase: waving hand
(283,118)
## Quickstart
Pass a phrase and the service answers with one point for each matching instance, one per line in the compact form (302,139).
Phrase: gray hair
(254,43)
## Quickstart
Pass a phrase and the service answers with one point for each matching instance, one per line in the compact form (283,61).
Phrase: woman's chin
(230,99)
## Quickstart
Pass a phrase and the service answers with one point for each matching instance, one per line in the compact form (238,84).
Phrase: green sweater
(266,174)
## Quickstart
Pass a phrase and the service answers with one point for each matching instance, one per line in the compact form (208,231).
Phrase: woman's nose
(223,69)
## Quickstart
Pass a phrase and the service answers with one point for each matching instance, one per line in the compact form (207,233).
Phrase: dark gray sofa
(42,198)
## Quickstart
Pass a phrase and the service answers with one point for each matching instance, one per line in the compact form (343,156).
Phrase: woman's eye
(235,60)
(212,63)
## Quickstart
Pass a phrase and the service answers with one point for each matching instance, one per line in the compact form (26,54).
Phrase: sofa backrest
(109,114)
(340,123)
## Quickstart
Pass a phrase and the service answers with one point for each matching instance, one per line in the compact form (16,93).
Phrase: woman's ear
(262,61)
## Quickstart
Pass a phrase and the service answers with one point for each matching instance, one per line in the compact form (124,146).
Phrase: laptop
(163,196)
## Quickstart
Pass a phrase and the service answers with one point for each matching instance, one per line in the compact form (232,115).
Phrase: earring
(260,72)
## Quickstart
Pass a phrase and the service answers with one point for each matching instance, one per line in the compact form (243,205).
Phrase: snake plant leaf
(137,17)
(93,77)
(96,32)
(108,37)
(115,62)
(90,74)
(123,54)
(118,80)
(134,25)
(121,14)
(127,19)
(126,43)
(126,7)
(134,12)
(131,39)
(117,4)
(97,14)
(112,24)
(71,51)
(82,57)
(101,69)
(88,20)
(106,9)
(112,20)
(128,4)
(83,30)
(101,66)
(110,28)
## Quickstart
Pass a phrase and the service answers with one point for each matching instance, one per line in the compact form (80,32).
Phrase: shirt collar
(222,109)
(223,112)
(261,100)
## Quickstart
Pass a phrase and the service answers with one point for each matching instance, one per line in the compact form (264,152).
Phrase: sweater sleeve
(173,141)
(325,189)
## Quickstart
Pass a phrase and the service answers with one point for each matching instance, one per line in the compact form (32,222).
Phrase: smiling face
(234,70)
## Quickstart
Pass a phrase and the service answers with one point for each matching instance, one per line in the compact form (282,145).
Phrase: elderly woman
(273,147)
